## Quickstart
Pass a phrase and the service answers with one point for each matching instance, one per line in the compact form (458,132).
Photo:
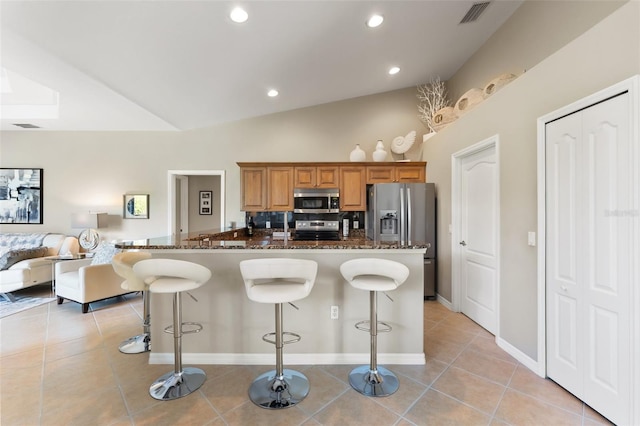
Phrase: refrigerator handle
(403,225)
(409,221)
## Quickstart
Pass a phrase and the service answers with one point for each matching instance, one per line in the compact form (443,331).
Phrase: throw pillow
(12,257)
(104,253)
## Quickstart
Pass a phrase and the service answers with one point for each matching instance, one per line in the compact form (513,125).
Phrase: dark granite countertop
(262,239)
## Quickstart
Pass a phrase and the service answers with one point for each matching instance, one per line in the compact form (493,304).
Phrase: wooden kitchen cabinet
(411,173)
(316,177)
(269,186)
(253,188)
(396,173)
(353,188)
(266,188)
(280,189)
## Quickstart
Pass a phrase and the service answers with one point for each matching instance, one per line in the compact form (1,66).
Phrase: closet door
(565,357)
(590,257)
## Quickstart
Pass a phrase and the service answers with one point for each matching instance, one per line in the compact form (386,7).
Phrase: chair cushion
(104,253)
(68,279)
(14,256)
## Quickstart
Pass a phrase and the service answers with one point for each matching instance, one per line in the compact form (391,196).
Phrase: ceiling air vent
(26,125)
(474,12)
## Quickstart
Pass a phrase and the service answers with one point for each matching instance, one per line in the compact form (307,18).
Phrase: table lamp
(89,237)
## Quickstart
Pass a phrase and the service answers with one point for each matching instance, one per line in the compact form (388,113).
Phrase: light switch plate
(531,238)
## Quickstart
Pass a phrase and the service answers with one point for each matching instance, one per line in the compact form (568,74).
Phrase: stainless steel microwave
(316,200)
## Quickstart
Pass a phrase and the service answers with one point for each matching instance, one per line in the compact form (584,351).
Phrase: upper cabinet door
(353,188)
(410,174)
(304,177)
(400,173)
(280,188)
(253,187)
(381,174)
(316,177)
(327,177)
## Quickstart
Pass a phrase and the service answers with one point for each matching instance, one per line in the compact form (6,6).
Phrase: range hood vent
(474,12)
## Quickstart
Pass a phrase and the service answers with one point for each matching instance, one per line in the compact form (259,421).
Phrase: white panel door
(608,156)
(589,255)
(565,356)
(479,223)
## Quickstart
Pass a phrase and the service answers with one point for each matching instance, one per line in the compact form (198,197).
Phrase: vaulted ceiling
(179,65)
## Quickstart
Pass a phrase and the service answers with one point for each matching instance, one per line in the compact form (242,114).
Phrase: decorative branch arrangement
(433,97)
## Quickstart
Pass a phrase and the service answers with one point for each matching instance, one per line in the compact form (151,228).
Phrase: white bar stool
(123,265)
(175,276)
(278,281)
(374,275)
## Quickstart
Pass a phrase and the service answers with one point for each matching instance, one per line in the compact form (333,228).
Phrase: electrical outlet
(268,224)
(334,312)
(235,235)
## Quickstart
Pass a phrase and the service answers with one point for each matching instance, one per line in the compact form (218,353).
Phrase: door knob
(462,243)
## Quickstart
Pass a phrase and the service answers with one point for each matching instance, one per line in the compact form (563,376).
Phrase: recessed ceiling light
(239,15)
(375,21)
(394,70)
(272,93)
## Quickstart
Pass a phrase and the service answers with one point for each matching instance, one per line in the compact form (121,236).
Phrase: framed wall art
(205,202)
(21,196)
(136,206)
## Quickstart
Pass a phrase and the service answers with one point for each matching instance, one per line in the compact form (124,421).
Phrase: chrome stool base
(272,392)
(136,344)
(173,386)
(381,382)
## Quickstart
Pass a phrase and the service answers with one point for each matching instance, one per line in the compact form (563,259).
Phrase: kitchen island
(234,325)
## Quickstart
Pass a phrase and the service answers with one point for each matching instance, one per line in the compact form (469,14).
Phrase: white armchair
(82,282)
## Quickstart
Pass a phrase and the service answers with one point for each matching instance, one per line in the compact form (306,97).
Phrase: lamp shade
(89,220)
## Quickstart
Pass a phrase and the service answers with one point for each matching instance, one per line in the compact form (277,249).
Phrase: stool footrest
(295,338)
(197,328)
(365,325)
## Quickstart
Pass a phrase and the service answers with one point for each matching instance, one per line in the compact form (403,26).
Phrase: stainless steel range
(318,229)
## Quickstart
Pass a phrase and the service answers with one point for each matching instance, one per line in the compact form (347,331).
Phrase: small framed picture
(205,202)
(136,206)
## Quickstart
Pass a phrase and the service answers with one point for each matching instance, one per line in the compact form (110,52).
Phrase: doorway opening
(183,187)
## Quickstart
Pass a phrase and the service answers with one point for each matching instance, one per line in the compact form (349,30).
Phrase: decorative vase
(357,154)
(379,154)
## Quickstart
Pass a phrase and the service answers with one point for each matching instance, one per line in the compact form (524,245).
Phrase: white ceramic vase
(380,153)
(357,154)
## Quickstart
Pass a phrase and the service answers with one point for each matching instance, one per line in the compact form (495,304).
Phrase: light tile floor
(60,367)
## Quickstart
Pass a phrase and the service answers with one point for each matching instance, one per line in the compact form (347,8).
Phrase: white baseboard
(523,358)
(289,359)
(445,302)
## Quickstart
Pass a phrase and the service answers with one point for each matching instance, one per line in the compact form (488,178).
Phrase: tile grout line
(506,387)
(111,367)
(44,362)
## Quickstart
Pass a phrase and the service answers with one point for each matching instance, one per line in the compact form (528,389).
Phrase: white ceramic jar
(357,154)
(380,153)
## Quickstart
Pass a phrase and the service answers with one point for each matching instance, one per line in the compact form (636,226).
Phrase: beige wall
(91,170)
(604,55)
(536,29)
(198,222)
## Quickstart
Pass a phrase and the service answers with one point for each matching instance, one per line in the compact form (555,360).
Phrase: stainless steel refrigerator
(405,213)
